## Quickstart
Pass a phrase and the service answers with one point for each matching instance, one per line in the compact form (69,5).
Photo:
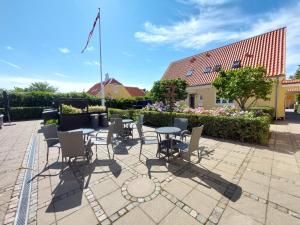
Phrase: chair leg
(108,151)
(62,164)
(97,151)
(140,151)
(47,154)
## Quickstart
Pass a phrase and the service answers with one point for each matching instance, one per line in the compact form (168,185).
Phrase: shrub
(51,121)
(298,109)
(129,113)
(45,99)
(244,129)
(97,108)
(68,109)
(265,109)
(24,113)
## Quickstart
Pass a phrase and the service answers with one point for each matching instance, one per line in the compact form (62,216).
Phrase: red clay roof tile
(266,50)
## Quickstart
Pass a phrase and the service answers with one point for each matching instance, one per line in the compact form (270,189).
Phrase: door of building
(192,101)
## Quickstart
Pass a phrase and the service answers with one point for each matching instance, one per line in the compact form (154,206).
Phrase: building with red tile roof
(114,89)
(135,91)
(267,50)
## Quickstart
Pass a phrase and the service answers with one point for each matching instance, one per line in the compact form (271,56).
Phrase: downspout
(276,96)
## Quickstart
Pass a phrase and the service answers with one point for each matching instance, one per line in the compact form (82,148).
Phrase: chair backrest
(50,131)
(72,144)
(181,123)
(110,133)
(141,119)
(195,137)
(118,127)
(113,116)
(140,130)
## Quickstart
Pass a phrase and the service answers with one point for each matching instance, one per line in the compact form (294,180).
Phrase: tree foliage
(37,86)
(244,84)
(160,89)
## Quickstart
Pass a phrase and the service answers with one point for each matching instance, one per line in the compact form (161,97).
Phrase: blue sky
(42,40)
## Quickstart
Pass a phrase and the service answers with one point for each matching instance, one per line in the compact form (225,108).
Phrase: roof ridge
(207,51)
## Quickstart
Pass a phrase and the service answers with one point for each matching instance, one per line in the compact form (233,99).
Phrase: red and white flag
(91,32)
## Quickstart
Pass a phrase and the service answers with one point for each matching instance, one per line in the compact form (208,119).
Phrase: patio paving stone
(158,208)
(232,216)
(135,217)
(177,188)
(200,202)
(84,216)
(178,217)
(104,188)
(275,217)
(113,202)
(253,209)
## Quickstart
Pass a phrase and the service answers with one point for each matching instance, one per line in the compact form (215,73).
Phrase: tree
(297,73)
(159,90)
(37,86)
(242,85)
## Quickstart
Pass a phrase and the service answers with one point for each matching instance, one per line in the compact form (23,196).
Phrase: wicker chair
(193,145)
(73,145)
(104,141)
(51,138)
(182,124)
(146,140)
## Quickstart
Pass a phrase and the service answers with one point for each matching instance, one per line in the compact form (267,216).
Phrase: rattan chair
(182,124)
(146,140)
(187,148)
(51,138)
(73,145)
(104,141)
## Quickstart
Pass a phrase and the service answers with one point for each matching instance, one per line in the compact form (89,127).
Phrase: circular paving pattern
(141,188)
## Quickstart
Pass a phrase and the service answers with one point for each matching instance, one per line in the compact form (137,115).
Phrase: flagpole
(102,92)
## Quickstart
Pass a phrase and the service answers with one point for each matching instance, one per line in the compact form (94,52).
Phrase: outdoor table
(127,128)
(169,142)
(127,121)
(85,131)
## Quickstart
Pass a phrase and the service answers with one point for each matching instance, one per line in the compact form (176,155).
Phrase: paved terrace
(233,183)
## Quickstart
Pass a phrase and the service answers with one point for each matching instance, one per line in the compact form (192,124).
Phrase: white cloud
(10,64)
(126,54)
(215,24)
(90,48)
(9,82)
(92,63)
(64,50)
(9,48)
(61,75)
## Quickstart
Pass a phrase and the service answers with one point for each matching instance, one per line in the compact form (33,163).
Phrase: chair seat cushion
(182,146)
(150,141)
(98,141)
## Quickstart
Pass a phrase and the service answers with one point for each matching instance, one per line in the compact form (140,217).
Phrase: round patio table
(85,131)
(127,121)
(169,143)
(127,128)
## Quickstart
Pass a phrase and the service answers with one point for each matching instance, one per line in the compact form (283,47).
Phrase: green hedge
(24,113)
(298,109)
(265,109)
(253,130)
(45,99)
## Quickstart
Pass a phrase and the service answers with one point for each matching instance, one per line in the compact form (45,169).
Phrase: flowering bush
(219,111)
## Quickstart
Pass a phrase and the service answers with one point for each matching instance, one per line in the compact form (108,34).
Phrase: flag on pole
(91,32)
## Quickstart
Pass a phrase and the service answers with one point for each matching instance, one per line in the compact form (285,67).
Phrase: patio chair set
(170,145)
(79,142)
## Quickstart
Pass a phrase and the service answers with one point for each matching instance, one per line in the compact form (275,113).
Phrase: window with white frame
(223,101)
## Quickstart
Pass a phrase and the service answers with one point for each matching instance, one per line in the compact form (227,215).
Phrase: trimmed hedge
(24,113)
(45,99)
(265,109)
(298,109)
(253,130)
